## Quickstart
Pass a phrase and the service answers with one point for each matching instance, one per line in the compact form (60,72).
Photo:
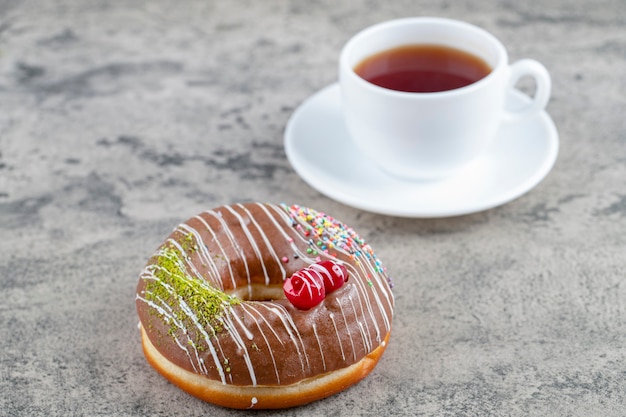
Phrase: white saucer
(321,152)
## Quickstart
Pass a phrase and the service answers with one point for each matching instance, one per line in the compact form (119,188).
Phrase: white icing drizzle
(253,402)
(287,220)
(320,346)
(189,313)
(233,241)
(222,253)
(229,323)
(291,328)
(345,321)
(252,242)
(204,255)
(169,318)
(268,244)
(332,318)
(185,308)
(267,343)
(362,295)
(252,307)
(363,331)
(188,264)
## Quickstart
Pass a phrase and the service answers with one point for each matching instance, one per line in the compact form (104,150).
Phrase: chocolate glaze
(250,342)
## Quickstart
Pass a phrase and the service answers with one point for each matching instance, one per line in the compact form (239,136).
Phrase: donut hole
(258,292)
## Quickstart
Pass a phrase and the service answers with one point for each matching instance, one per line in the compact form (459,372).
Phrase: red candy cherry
(307,287)
(335,275)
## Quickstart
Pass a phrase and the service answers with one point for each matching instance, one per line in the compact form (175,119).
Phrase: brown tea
(422,68)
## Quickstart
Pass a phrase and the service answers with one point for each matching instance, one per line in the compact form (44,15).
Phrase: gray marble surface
(118,120)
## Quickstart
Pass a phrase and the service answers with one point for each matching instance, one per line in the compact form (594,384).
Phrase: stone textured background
(118,120)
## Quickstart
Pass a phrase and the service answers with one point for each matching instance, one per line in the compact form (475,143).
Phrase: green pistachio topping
(187,295)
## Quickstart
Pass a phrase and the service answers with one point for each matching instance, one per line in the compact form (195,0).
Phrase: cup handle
(530,67)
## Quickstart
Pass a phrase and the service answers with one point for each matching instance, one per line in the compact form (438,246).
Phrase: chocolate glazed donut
(215,321)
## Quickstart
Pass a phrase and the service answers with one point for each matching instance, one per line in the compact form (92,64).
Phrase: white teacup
(417,135)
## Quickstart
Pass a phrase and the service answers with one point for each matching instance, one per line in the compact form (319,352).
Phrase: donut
(230,309)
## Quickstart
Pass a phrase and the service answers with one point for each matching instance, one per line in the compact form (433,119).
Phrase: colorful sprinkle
(331,234)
